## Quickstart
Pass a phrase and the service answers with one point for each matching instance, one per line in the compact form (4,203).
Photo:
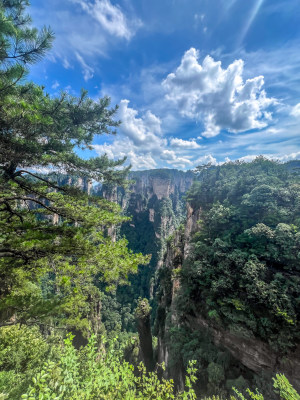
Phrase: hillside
(229,286)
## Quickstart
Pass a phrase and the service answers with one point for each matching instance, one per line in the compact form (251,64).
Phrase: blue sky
(197,81)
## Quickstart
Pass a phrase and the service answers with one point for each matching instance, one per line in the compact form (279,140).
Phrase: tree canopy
(54,245)
(244,268)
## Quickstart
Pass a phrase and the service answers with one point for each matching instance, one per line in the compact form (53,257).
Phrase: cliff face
(254,354)
(160,183)
(155,202)
(251,357)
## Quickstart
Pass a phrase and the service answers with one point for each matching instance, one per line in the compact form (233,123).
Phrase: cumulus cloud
(141,140)
(218,96)
(296,110)
(184,144)
(123,147)
(278,157)
(173,159)
(289,157)
(143,131)
(110,17)
(207,159)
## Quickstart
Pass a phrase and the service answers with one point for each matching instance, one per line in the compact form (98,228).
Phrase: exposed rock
(253,353)
(151,214)
(172,261)
(160,183)
(142,314)
(191,227)
(155,202)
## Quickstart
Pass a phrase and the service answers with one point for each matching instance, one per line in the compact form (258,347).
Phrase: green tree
(20,44)
(54,245)
(242,271)
(244,268)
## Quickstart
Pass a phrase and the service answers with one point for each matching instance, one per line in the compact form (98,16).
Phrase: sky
(196,81)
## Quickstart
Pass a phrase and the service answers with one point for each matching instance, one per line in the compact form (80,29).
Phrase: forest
(120,284)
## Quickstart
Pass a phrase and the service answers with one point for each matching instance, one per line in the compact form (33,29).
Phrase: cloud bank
(210,96)
(141,140)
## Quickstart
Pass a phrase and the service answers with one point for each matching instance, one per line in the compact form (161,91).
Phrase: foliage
(143,309)
(243,272)
(217,371)
(281,385)
(22,352)
(284,388)
(53,243)
(99,373)
(93,373)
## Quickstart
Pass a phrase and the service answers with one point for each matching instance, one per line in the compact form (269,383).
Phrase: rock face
(191,227)
(161,183)
(142,314)
(155,202)
(167,313)
(252,353)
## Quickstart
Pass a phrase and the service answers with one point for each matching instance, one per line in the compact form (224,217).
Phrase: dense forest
(158,284)
(233,294)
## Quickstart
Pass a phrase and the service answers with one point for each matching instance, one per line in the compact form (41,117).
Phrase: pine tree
(53,242)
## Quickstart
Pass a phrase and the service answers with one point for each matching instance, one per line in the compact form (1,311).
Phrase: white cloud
(141,140)
(207,159)
(88,72)
(89,28)
(288,157)
(141,161)
(110,17)
(172,158)
(55,85)
(66,63)
(249,157)
(199,17)
(281,158)
(141,130)
(123,147)
(218,96)
(296,110)
(184,144)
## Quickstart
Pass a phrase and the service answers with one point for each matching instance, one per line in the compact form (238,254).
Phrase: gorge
(166,218)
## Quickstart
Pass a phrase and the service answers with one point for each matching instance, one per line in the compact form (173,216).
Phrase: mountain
(155,202)
(236,343)
(228,287)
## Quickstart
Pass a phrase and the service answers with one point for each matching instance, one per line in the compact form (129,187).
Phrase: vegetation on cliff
(36,370)
(58,262)
(242,272)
